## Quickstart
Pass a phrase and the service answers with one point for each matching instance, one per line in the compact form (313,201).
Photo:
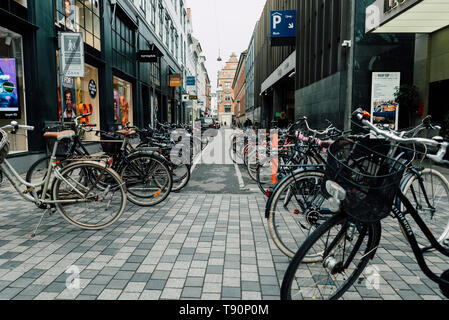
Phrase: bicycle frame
(410,236)
(30,193)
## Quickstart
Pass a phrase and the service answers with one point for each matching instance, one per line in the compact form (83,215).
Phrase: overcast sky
(225,26)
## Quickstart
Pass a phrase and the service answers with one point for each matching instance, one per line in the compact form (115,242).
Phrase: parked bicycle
(87,192)
(147,174)
(363,186)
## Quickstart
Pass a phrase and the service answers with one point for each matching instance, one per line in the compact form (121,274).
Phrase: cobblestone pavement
(192,246)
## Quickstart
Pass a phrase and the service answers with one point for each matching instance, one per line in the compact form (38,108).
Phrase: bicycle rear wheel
(345,248)
(148,178)
(92,196)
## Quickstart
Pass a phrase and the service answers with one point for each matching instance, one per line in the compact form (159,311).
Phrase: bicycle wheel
(345,249)
(296,210)
(435,211)
(89,203)
(148,178)
(38,171)
(181,176)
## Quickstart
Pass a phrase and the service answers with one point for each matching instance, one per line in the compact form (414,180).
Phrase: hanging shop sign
(190,81)
(151,55)
(9,98)
(283,27)
(193,97)
(384,107)
(175,80)
(92,89)
(72,54)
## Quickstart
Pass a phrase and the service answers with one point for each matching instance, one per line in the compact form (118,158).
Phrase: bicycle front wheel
(345,248)
(296,210)
(435,209)
(89,195)
(148,178)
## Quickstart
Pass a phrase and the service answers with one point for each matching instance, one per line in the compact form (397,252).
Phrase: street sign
(72,54)
(175,80)
(283,23)
(283,27)
(190,81)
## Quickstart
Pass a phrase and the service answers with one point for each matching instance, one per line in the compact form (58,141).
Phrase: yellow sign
(175,80)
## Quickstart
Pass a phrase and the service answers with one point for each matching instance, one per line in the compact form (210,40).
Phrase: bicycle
(147,175)
(88,182)
(296,205)
(345,243)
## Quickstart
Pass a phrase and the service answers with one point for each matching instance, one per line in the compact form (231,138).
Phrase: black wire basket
(370,179)
(110,143)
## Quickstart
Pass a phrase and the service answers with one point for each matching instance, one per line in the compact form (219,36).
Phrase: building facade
(117,86)
(335,60)
(225,93)
(431,51)
(239,88)
(274,66)
(251,111)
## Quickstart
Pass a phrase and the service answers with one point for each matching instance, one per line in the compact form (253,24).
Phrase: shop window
(80,16)
(123,50)
(12,86)
(80,96)
(123,106)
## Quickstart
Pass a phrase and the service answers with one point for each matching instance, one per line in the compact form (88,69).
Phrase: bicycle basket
(110,143)
(4,145)
(63,145)
(370,179)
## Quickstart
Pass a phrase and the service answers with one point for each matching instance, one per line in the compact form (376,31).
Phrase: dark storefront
(115,88)
(336,60)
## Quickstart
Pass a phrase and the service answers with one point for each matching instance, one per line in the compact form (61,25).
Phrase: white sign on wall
(72,54)
(384,107)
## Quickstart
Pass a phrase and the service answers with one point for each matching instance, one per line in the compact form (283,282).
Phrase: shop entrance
(439,104)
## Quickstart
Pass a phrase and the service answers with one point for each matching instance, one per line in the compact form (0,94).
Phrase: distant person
(282,121)
(248,123)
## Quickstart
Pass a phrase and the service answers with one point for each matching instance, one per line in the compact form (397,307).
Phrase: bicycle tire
(37,169)
(179,182)
(365,238)
(291,222)
(438,220)
(160,180)
(65,191)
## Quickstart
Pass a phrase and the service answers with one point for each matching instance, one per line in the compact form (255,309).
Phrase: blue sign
(190,81)
(283,24)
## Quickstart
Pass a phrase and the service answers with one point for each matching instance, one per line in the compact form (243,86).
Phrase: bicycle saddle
(67,134)
(126,133)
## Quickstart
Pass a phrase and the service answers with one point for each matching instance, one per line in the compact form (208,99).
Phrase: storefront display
(12,86)
(123,106)
(80,96)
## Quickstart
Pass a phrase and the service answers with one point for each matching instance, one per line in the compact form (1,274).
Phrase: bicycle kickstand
(40,221)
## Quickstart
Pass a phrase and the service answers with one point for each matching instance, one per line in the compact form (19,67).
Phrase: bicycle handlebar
(358,114)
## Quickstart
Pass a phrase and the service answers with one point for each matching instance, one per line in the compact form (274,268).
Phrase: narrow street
(209,242)
(99,99)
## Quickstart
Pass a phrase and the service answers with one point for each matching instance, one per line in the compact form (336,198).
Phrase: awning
(172,71)
(284,69)
(411,16)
